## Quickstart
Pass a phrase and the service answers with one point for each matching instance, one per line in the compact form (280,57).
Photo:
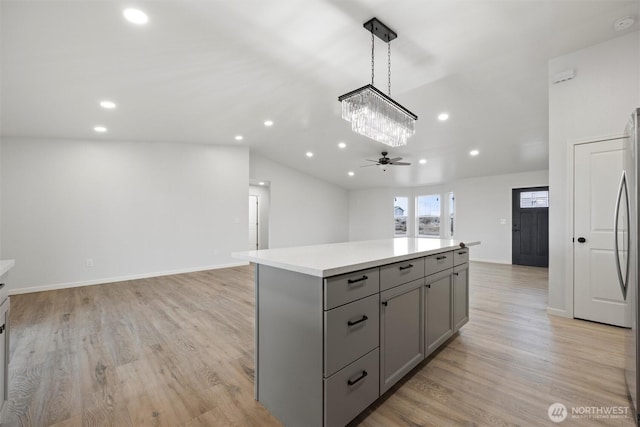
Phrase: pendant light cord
(388,62)
(389,65)
(372,56)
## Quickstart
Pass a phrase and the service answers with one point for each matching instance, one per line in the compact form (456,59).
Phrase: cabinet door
(4,351)
(438,322)
(401,331)
(460,296)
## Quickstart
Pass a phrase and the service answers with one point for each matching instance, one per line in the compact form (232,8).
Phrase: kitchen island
(338,324)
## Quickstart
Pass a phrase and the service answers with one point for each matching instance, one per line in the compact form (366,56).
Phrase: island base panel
(290,340)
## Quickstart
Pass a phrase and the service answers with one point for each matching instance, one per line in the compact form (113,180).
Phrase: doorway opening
(254,222)
(530,232)
(259,216)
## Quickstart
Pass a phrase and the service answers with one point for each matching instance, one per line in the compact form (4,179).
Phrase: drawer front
(343,289)
(438,262)
(351,390)
(350,331)
(401,272)
(460,256)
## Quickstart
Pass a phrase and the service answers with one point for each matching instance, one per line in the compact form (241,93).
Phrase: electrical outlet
(89,262)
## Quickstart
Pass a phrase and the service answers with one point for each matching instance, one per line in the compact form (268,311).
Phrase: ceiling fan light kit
(371,112)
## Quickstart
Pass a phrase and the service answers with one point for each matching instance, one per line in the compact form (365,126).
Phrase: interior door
(530,232)
(253,223)
(598,295)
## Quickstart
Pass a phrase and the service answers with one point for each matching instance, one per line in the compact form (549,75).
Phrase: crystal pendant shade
(377,116)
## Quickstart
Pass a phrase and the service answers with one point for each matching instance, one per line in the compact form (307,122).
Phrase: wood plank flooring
(178,350)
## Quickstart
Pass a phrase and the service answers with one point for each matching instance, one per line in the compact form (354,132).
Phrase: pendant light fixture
(371,112)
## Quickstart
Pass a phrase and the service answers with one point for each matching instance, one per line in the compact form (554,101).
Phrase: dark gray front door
(530,232)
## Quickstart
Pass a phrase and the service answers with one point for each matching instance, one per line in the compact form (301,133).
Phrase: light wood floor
(178,350)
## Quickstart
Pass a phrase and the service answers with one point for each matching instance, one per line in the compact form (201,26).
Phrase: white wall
(1,252)
(596,103)
(263,214)
(480,204)
(371,213)
(303,210)
(136,209)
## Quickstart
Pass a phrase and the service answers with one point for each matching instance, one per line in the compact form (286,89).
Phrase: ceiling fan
(385,162)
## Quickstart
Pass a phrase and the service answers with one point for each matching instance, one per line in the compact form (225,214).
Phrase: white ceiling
(205,71)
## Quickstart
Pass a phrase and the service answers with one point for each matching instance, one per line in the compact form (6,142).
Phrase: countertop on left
(6,265)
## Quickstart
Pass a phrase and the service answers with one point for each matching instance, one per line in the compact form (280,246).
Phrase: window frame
(439,216)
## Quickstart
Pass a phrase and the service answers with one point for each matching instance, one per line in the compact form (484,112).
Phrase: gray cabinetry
(351,390)
(460,296)
(438,262)
(339,290)
(328,346)
(438,321)
(460,256)
(4,351)
(4,344)
(401,272)
(401,331)
(350,331)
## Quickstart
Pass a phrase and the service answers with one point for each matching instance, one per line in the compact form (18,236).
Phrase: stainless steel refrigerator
(626,252)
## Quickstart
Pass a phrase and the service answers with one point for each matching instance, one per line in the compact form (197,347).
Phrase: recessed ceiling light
(261,183)
(443,116)
(268,123)
(350,173)
(342,145)
(108,105)
(100,129)
(624,23)
(135,16)
(309,154)
(239,137)
(474,152)
(423,161)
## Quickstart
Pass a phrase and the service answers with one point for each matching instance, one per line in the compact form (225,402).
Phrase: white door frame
(569,264)
(258,222)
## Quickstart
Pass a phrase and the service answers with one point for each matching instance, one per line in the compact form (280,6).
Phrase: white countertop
(6,265)
(338,258)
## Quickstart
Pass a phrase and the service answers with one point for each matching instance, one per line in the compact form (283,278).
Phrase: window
(400,210)
(428,215)
(452,213)
(534,199)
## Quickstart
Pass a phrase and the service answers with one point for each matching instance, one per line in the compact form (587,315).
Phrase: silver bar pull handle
(622,190)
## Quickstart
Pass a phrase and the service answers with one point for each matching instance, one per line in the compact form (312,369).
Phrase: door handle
(581,240)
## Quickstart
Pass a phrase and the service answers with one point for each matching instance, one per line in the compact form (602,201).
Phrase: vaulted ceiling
(206,71)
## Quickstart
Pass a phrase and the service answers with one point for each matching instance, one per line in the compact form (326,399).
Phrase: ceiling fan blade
(400,164)
(395,159)
(369,160)
(364,166)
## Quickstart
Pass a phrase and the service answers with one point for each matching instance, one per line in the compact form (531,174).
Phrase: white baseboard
(121,278)
(558,312)
(492,261)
